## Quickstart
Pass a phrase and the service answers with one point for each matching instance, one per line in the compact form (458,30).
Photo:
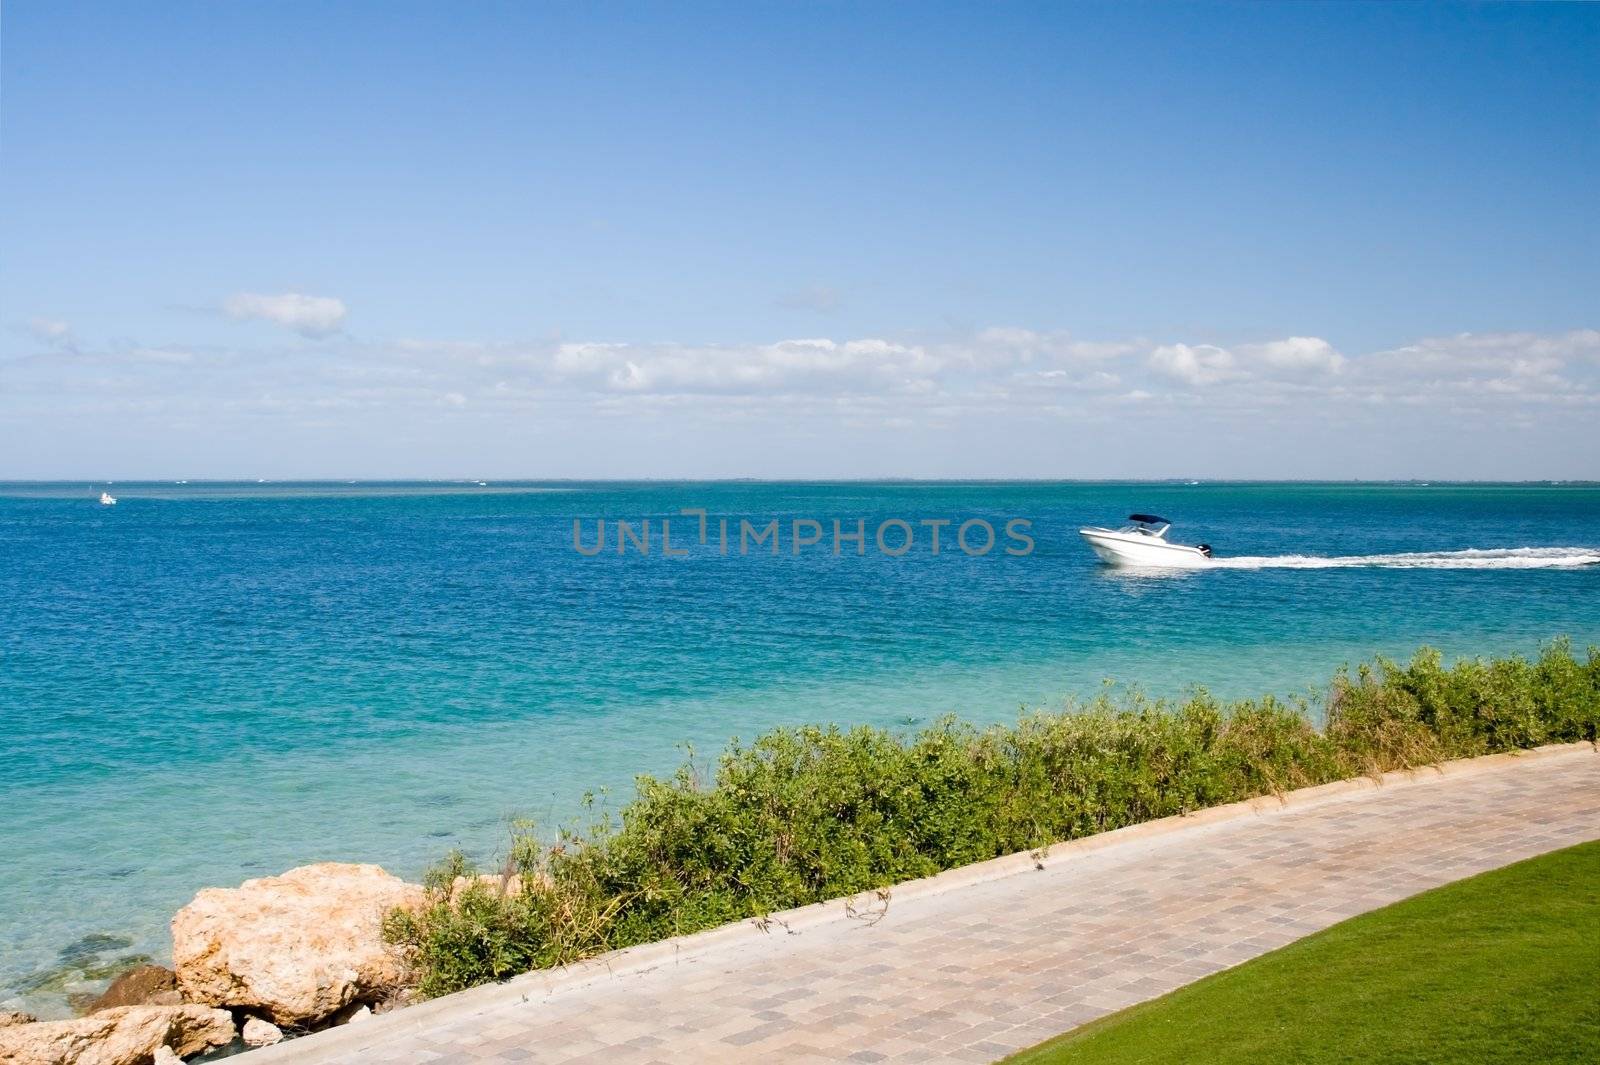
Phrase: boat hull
(1123,549)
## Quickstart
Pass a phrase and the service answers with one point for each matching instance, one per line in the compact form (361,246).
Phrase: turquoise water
(210,682)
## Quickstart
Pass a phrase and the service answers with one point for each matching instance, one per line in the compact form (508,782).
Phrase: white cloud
(1197,364)
(1295,358)
(1015,344)
(311,316)
(807,365)
(1546,367)
(1297,354)
(1095,380)
(1470,353)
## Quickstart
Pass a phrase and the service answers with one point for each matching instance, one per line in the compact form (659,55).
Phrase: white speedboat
(107,499)
(1144,543)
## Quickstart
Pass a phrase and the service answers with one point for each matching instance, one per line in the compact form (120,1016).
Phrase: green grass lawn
(1504,967)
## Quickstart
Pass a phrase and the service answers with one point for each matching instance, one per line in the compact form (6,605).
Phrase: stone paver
(980,970)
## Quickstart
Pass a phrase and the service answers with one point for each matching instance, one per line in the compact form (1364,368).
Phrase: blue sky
(283,239)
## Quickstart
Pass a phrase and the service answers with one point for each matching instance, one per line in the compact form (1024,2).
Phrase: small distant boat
(1144,543)
(107,499)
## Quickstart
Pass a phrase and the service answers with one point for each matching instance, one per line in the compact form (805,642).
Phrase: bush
(806,814)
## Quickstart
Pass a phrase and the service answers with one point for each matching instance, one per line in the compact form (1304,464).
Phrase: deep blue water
(211,682)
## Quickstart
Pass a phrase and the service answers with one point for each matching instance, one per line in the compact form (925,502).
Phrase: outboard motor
(1205,549)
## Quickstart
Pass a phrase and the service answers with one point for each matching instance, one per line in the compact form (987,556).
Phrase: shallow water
(211,682)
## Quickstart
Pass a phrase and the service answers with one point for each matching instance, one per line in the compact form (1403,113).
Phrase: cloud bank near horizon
(1058,385)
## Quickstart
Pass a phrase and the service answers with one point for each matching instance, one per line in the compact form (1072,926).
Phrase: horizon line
(482,482)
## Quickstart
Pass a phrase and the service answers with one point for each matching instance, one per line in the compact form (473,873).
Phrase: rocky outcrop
(144,985)
(15,1017)
(296,948)
(125,1035)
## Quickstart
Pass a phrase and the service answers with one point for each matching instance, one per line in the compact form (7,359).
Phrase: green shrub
(806,814)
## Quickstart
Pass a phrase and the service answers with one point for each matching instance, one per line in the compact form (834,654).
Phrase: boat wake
(1493,558)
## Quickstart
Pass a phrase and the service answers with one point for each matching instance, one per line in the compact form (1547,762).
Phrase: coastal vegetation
(1499,967)
(806,814)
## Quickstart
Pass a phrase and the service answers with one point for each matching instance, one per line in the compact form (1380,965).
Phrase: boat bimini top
(1145,524)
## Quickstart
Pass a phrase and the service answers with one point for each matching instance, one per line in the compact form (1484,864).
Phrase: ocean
(209,682)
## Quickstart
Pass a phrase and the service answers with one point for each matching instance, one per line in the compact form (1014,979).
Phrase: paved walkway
(974,965)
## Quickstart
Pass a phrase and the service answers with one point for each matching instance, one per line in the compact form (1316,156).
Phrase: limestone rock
(503,885)
(15,1017)
(166,1057)
(260,1033)
(143,985)
(294,948)
(124,1035)
(353,1014)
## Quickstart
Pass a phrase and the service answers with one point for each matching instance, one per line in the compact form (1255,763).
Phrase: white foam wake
(1493,558)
